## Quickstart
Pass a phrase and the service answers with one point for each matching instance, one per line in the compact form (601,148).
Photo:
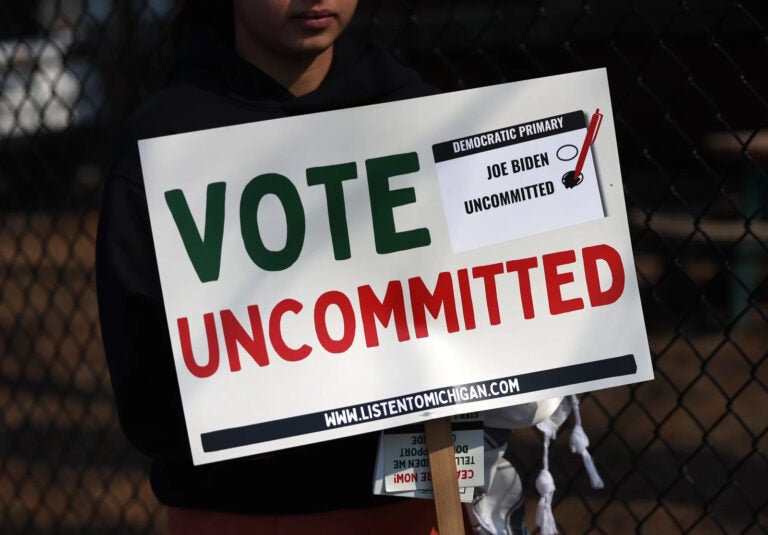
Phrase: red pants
(409,517)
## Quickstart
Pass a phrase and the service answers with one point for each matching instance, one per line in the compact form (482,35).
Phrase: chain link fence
(682,454)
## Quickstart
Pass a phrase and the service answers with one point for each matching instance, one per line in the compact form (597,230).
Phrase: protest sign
(350,271)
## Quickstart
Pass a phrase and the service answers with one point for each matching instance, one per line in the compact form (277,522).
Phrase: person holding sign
(238,62)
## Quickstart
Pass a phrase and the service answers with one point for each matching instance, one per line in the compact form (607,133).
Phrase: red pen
(594,126)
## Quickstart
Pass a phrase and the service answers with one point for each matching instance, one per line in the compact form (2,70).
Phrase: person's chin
(315,45)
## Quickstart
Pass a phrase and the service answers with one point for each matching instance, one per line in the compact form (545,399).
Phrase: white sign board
(350,271)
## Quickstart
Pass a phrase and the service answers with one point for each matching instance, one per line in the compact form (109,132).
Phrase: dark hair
(215,15)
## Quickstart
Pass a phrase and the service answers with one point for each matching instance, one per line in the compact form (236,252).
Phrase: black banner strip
(510,135)
(430,399)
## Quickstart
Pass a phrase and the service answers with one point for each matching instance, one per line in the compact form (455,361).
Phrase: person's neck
(299,75)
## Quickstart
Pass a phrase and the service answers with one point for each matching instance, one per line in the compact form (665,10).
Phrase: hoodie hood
(359,74)
(211,86)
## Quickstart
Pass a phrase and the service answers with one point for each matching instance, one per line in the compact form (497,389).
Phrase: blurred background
(685,453)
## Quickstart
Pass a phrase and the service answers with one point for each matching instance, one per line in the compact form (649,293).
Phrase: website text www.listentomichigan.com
(441,397)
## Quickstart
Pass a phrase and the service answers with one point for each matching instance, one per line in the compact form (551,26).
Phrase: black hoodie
(214,87)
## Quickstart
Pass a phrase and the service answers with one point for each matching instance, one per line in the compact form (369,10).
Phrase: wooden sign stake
(445,485)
